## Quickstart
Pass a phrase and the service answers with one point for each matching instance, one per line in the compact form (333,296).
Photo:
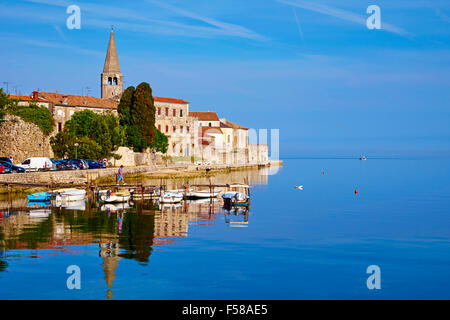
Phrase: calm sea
(314,243)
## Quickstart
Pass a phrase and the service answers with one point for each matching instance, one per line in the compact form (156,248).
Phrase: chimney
(35,95)
(64,99)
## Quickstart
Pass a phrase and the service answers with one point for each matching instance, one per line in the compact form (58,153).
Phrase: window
(174,129)
(159,127)
(181,112)
(229,138)
(210,124)
(187,129)
(59,126)
(159,111)
(181,129)
(167,112)
(109,81)
(167,129)
(26,161)
(174,112)
(115,81)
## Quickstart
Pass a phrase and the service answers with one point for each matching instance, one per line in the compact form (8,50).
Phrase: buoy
(356,191)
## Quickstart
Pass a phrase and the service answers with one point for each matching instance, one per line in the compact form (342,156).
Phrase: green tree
(103,132)
(125,106)
(135,139)
(143,112)
(161,142)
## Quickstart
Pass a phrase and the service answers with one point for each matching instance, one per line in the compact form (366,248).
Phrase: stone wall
(21,140)
(129,158)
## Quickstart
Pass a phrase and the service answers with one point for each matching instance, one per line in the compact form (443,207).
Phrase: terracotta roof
(24,98)
(208,130)
(205,116)
(234,125)
(170,100)
(75,100)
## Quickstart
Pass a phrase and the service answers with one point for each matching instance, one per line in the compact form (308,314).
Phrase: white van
(36,164)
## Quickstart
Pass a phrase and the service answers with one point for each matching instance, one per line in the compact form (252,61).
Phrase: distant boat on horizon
(363,158)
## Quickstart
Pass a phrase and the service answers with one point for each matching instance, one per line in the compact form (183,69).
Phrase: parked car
(5,159)
(2,169)
(94,165)
(57,165)
(36,164)
(10,168)
(68,164)
(80,164)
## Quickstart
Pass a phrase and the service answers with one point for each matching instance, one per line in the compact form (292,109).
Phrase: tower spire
(112,60)
(112,78)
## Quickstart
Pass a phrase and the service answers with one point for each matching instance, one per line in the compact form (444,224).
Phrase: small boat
(148,193)
(238,196)
(202,194)
(69,194)
(40,196)
(116,197)
(170,197)
(363,158)
(299,187)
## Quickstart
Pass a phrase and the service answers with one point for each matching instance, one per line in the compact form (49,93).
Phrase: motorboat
(116,197)
(363,158)
(115,207)
(237,196)
(203,194)
(170,197)
(64,195)
(40,197)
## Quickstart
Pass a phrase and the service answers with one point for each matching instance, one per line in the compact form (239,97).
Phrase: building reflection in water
(124,231)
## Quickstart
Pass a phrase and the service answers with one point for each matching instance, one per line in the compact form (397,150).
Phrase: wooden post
(142,193)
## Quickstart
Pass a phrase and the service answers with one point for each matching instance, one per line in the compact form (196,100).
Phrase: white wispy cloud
(135,21)
(341,14)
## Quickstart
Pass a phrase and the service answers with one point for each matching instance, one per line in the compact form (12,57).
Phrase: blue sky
(309,68)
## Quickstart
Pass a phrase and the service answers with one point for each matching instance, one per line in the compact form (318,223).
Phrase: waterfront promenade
(87,177)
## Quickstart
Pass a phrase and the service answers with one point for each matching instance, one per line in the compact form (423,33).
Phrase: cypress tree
(143,112)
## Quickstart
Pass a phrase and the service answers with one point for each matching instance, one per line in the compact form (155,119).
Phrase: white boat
(170,197)
(202,194)
(116,197)
(235,197)
(65,195)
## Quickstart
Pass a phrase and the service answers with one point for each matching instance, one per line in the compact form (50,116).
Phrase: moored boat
(237,196)
(170,197)
(116,197)
(40,197)
(203,194)
(65,195)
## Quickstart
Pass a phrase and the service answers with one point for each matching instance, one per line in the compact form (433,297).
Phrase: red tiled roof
(204,116)
(234,125)
(208,130)
(170,100)
(23,98)
(76,100)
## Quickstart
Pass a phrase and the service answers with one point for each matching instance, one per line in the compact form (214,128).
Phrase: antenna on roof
(88,90)
(112,27)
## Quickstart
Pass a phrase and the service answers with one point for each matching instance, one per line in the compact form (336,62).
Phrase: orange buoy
(356,191)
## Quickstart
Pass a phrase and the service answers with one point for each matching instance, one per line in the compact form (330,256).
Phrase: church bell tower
(112,79)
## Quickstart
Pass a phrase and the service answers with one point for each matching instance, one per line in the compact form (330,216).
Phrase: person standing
(120,175)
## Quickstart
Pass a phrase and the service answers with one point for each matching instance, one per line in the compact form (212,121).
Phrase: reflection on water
(130,230)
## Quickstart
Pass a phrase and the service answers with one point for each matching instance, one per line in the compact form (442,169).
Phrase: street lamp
(76,150)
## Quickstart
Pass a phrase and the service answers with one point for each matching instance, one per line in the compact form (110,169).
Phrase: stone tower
(112,79)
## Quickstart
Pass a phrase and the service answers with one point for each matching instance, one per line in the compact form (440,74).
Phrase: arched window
(109,81)
(115,81)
